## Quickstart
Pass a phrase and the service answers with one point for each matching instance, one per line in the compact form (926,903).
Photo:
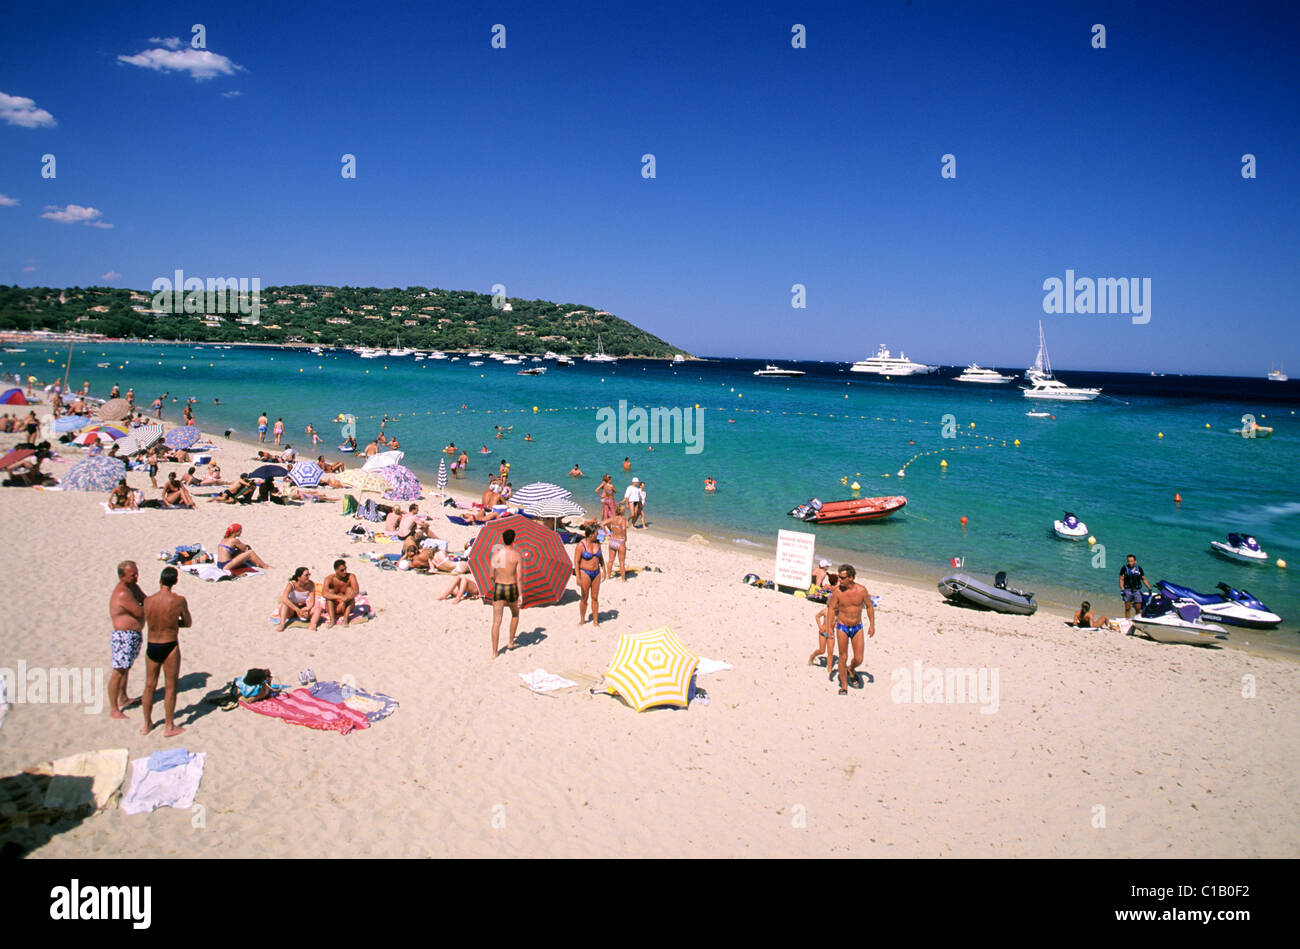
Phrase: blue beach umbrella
(268,472)
(70,423)
(94,473)
(306,474)
(187,436)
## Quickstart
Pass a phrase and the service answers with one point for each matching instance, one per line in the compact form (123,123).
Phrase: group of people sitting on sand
(333,601)
(174,494)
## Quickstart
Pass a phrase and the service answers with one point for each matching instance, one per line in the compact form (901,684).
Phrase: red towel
(300,707)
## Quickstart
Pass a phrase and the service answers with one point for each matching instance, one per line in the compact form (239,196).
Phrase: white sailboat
(1278,375)
(1043,385)
(599,355)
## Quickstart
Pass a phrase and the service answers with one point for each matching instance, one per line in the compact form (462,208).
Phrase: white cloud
(199,63)
(28,269)
(7,202)
(231,94)
(75,214)
(171,42)
(17,110)
(110,276)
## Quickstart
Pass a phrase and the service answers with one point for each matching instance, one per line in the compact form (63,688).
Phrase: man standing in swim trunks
(261,428)
(507,572)
(1131,579)
(126,609)
(166,613)
(844,610)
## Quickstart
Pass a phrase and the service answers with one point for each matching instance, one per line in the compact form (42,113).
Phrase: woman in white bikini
(299,601)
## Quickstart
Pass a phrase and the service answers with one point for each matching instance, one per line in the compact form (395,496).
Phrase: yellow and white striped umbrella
(652,668)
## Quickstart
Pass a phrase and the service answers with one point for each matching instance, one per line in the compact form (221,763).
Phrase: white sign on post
(794,558)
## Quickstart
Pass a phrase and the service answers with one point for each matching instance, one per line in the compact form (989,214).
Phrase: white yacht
(476,362)
(1277,375)
(550,355)
(679,358)
(883,363)
(563,361)
(1043,385)
(498,357)
(973,373)
(599,355)
(511,362)
(474,354)
(437,354)
(772,370)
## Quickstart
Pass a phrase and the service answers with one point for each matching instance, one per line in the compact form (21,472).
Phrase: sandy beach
(1091,744)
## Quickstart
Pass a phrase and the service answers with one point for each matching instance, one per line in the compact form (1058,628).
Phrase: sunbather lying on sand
(461,588)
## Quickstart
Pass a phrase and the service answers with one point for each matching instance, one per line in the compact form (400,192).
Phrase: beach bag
(349,505)
(370,511)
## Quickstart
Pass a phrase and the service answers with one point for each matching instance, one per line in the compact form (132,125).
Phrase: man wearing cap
(633,497)
(819,574)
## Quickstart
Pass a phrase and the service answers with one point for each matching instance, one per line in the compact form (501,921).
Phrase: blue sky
(775,165)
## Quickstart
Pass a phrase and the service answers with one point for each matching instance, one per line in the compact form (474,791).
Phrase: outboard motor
(1000,581)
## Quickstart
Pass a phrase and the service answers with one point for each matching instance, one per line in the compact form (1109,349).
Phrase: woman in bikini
(588,565)
(616,524)
(606,492)
(299,600)
(233,552)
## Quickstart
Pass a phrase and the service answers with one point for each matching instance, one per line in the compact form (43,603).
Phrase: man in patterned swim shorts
(126,610)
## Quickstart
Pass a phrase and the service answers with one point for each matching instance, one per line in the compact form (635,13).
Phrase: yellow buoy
(1160,434)
(1091,541)
(855,486)
(1017,443)
(972,424)
(1207,424)
(944,463)
(1281,563)
(534,410)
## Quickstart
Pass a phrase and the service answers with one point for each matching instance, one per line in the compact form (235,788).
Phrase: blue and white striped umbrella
(70,423)
(138,439)
(442,474)
(94,473)
(537,492)
(306,474)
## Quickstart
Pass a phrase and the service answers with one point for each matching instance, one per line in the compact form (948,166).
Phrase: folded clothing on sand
(166,760)
(300,707)
(373,705)
(539,680)
(174,787)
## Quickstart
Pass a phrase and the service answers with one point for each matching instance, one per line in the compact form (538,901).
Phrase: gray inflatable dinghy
(963,588)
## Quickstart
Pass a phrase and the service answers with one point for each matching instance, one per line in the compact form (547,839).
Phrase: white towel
(539,680)
(707,666)
(210,571)
(174,787)
(119,510)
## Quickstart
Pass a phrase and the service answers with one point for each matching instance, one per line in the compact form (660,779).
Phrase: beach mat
(300,707)
(211,572)
(119,510)
(295,623)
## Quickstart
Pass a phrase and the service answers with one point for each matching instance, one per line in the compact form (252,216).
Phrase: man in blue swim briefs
(167,614)
(844,610)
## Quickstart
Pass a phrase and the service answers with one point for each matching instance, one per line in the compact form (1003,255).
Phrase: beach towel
(175,787)
(458,520)
(361,613)
(211,572)
(72,787)
(373,705)
(707,666)
(300,707)
(119,510)
(539,680)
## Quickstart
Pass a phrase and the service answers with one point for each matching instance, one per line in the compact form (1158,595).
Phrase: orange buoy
(1178,498)
(963,520)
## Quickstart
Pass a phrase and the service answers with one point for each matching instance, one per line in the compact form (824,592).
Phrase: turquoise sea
(773,443)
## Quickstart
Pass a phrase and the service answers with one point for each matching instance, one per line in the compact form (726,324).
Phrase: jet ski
(964,589)
(1244,549)
(1164,622)
(1235,607)
(1070,528)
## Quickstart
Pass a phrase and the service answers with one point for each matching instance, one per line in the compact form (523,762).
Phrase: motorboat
(599,355)
(532,371)
(1070,527)
(973,373)
(563,361)
(1252,429)
(1242,548)
(847,512)
(997,596)
(883,363)
(1033,414)
(474,354)
(512,362)
(1043,385)
(550,355)
(1234,607)
(476,362)
(679,359)
(1278,375)
(1164,621)
(772,370)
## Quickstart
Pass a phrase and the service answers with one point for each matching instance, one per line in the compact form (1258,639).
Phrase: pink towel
(300,707)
